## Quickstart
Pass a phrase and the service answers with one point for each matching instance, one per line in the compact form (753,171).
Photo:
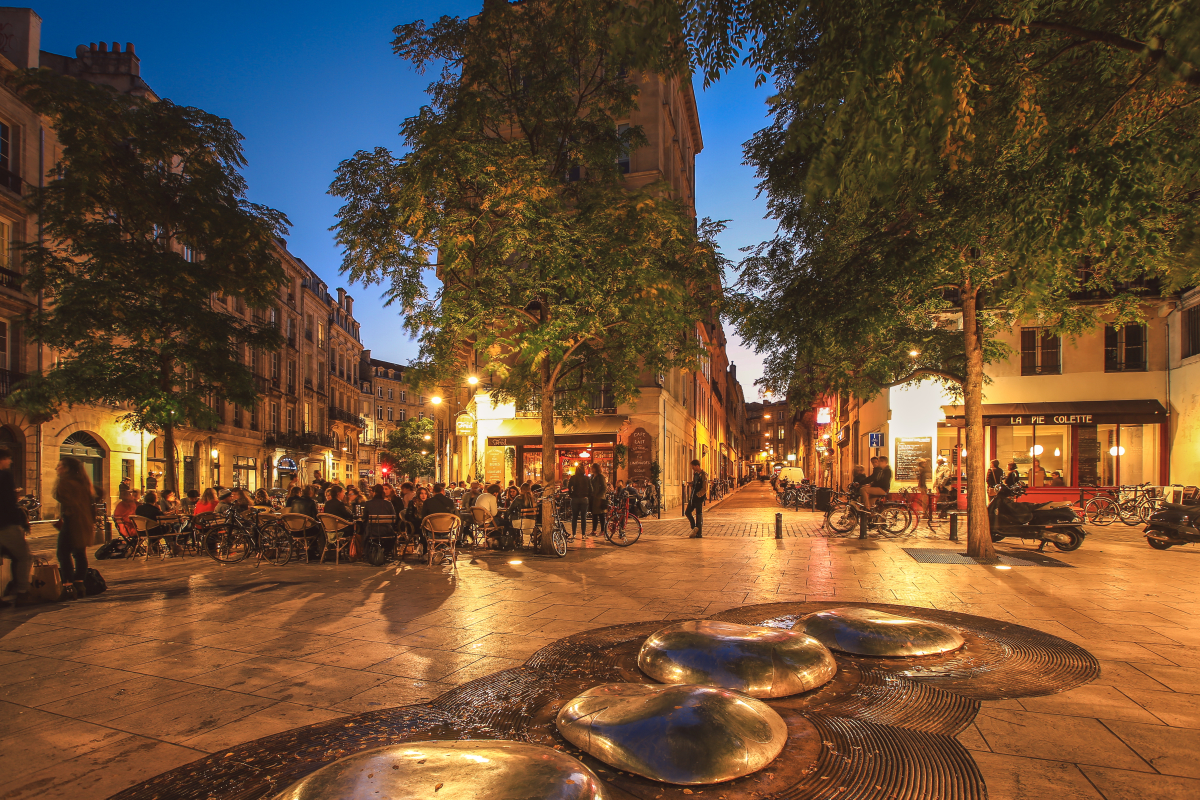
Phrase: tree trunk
(548,467)
(169,455)
(979,534)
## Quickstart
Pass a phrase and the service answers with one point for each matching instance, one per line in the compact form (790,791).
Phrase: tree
(556,277)
(144,220)
(411,449)
(968,161)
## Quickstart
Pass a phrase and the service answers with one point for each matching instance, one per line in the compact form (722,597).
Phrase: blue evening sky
(308,84)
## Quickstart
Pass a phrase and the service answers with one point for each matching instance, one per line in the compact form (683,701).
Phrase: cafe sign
(1054,419)
(464,424)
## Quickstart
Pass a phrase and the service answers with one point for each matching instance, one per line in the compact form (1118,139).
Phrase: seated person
(334,504)
(439,503)
(169,503)
(261,498)
(128,505)
(1057,479)
(207,502)
(880,484)
(225,501)
(150,510)
(305,504)
(488,500)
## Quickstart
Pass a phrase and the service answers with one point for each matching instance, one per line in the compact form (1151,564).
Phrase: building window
(274,416)
(389,393)
(291,420)
(421,415)
(320,334)
(5,147)
(1041,352)
(390,414)
(379,413)
(379,392)
(401,417)
(254,417)
(1191,331)
(6,260)
(422,401)
(308,416)
(275,366)
(1125,348)
(623,159)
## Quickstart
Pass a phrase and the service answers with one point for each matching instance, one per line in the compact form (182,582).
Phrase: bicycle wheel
(842,518)
(629,532)
(276,545)
(558,539)
(896,519)
(226,546)
(1101,511)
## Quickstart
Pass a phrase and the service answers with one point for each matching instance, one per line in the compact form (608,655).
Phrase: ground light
(516,562)
(1003,566)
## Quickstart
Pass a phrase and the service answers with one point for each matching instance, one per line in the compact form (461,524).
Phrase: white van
(790,474)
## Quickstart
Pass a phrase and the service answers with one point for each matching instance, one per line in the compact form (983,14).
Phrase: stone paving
(185,657)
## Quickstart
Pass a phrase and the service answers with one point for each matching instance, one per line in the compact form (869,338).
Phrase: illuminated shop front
(1072,444)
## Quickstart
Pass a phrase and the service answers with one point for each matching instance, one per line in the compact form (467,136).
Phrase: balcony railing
(320,387)
(308,383)
(291,389)
(7,379)
(11,280)
(291,339)
(338,415)
(297,441)
(308,334)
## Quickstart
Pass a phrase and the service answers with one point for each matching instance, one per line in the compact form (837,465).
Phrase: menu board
(641,455)
(909,451)
(1088,453)
(493,465)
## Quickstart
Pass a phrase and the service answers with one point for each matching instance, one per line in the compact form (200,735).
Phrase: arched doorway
(84,447)
(14,442)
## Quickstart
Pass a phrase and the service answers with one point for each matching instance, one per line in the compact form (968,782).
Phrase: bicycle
(888,516)
(233,538)
(622,527)
(558,536)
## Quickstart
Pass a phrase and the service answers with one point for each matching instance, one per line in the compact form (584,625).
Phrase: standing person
(77,521)
(1013,478)
(923,491)
(599,492)
(151,482)
(13,526)
(942,478)
(580,489)
(698,493)
(995,477)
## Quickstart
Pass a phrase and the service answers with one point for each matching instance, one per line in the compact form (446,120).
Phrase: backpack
(93,582)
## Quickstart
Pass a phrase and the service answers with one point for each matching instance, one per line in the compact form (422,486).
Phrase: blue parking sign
(876,439)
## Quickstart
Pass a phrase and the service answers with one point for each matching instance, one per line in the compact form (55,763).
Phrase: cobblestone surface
(184,657)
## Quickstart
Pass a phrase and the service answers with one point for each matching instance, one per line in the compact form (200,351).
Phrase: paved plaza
(184,657)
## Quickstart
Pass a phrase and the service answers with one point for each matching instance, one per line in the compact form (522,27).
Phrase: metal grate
(924,555)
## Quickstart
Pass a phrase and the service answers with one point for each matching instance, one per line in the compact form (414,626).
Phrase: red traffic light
(384,470)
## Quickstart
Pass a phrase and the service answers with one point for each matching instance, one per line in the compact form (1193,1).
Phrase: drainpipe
(40,304)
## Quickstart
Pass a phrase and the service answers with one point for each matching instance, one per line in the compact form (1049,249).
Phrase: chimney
(21,36)
(350,305)
(341,298)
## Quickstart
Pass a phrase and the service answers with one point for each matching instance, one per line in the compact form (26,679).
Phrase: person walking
(923,491)
(599,492)
(76,524)
(995,477)
(698,493)
(580,489)
(14,524)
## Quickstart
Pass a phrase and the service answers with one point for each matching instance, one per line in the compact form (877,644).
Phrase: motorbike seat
(1192,512)
(1052,504)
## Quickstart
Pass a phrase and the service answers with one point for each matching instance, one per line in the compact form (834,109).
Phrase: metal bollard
(954,526)
(778,525)
(862,525)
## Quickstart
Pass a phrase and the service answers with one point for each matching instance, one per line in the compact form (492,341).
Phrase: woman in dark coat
(599,491)
(77,521)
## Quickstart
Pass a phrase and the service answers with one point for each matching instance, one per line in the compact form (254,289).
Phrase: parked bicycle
(234,537)
(891,517)
(622,526)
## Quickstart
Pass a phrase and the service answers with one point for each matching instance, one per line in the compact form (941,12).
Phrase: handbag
(45,582)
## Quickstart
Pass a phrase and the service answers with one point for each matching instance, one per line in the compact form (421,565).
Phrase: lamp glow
(214,453)
(472,380)
(914,353)
(1057,452)
(1036,450)
(426,437)
(435,400)
(1116,451)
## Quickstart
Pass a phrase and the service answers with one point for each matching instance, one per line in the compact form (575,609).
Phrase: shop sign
(493,465)
(497,441)
(1055,419)
(464,425)
(824,416)
(844,435)
(641,455)
(286,463)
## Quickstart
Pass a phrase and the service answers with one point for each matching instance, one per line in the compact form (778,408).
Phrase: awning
(1095,412)
(599,429)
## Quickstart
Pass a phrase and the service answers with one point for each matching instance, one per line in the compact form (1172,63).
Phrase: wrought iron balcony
(306,440)
(11,181)
(7,379)
(11,280)
(338,415)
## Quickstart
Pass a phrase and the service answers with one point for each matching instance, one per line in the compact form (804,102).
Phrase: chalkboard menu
(908,452)
(641,455)
(1088,454)
(493,465)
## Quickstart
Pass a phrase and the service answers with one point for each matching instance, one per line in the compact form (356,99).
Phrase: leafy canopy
(408,451)
(129,316)
(555,274)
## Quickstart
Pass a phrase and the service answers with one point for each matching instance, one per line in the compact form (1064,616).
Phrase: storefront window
(1042,453)
(1128,454)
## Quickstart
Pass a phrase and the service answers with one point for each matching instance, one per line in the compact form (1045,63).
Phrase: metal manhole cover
(925,555)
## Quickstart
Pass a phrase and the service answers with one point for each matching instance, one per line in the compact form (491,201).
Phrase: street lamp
(472,380)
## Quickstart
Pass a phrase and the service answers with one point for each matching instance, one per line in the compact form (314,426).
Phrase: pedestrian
(580,490)
(923,504)
(1013,478)
(598,499)
(151,482)
(698,492)
(76,524)
(995,477)
(14,524)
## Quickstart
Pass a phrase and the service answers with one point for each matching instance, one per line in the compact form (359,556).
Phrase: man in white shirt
(487,500)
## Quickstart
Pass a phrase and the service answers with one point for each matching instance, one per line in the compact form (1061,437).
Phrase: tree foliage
(556,277)
(129,317)
(408,451)
(954,165)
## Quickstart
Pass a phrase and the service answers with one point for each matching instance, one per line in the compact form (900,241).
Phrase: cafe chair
(302,529)
(441,535)
(337,535)
(523,524)
(379,528)
(142,527)
(484,524)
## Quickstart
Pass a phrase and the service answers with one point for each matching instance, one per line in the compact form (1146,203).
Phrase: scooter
(1173,524)
(32,507)
(1054,522)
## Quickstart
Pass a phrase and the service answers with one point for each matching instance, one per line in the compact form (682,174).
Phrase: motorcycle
(1173,524)
(31,506)
(1054,522)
